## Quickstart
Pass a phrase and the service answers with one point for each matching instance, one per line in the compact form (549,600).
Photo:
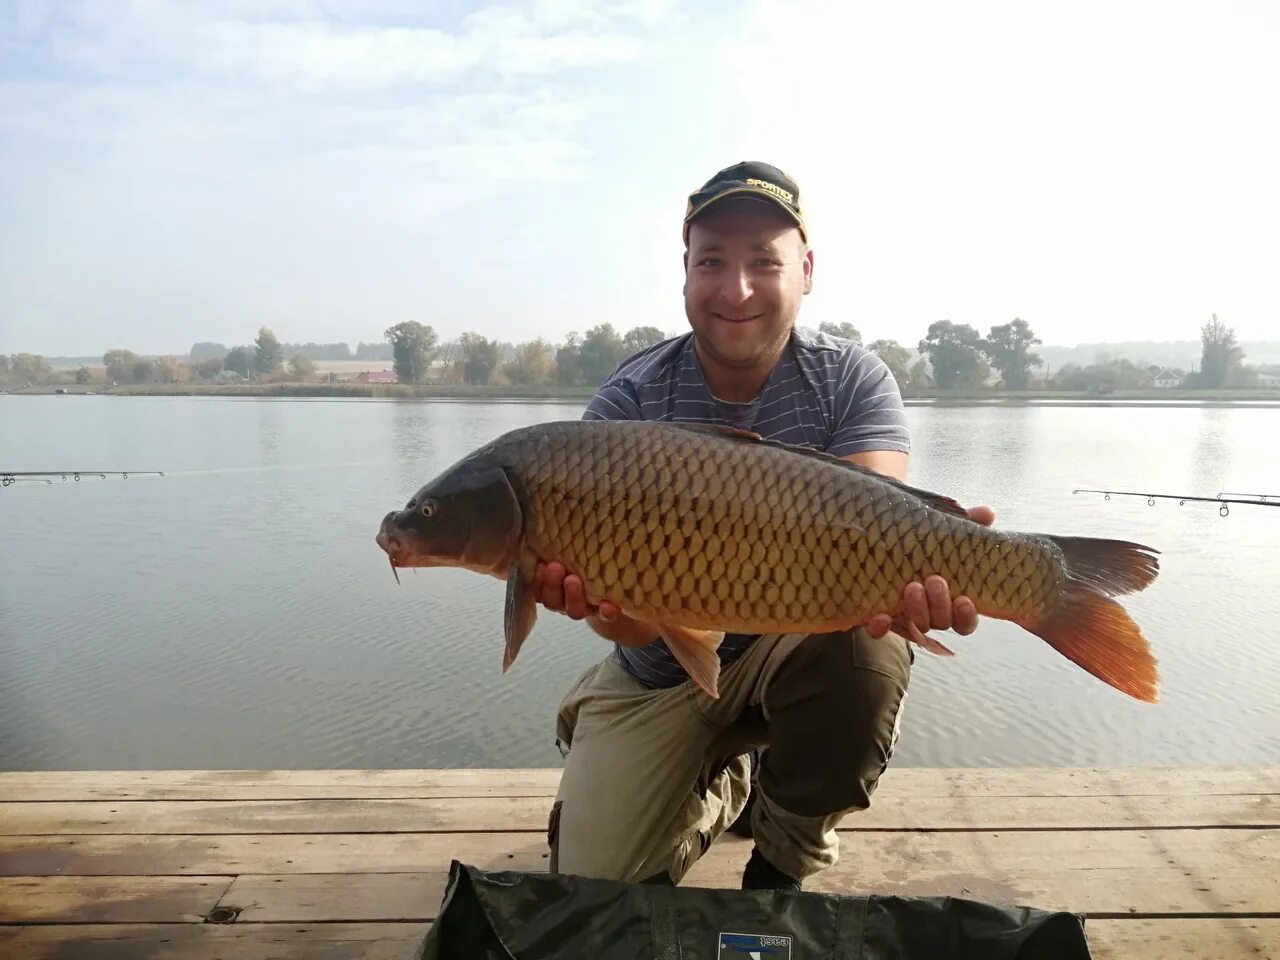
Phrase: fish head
(469,516)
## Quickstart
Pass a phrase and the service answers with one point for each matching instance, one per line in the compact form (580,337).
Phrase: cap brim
(752,192)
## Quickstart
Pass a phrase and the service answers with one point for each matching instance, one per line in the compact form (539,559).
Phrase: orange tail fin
(1092,630)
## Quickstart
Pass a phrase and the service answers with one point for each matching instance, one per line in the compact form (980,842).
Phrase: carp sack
(701,529)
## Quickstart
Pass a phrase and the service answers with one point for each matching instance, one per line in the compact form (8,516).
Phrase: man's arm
(890,462)
(928,605)
(871,432)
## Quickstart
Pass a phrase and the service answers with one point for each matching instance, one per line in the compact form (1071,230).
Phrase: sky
(188,171)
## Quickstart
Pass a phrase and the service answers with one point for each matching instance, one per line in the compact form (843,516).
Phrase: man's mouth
(721,316)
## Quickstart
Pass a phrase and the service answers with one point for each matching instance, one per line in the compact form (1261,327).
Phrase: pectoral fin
(923,640)
(696,651)
(520,613)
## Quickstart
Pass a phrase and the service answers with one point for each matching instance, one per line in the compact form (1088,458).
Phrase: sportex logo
(737,946)
(777,191)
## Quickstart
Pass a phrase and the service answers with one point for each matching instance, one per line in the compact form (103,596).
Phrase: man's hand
(929,605)
(563,592)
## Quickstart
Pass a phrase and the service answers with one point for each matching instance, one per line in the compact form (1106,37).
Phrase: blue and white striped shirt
(825,393)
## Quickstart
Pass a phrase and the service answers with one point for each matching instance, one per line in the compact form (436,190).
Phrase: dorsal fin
(937,501)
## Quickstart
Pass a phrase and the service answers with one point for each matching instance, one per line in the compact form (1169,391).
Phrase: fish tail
(1113,567)
(1092,630)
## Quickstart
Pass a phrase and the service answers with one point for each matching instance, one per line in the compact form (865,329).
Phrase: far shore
(556,392)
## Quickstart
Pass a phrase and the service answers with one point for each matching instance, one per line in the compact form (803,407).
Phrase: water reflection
(237,612)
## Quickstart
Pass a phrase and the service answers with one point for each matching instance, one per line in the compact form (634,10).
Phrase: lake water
(236,613)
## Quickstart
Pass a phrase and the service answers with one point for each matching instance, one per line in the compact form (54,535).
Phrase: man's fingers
(983,515)
(939,603)
(879,625)
(966,617)
(575,598)
(551,592)
(916,604)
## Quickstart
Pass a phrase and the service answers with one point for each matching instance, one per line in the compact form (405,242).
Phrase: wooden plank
(1159,872)
(530,813)
(283,941)
(108,899)
(395,784)
(1136,939)
(272,784)
(1223,938)
(129,855)
(72,792)
(1199,851)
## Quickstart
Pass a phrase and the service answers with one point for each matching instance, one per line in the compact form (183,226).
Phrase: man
(656,770)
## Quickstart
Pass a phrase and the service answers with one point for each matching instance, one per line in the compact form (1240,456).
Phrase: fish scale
(701,530)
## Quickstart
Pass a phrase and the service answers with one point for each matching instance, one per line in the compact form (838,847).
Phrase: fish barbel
(702,530)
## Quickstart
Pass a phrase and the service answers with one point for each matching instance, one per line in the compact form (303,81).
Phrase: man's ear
(808,270)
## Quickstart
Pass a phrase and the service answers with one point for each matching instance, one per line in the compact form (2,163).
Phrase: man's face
(747,268)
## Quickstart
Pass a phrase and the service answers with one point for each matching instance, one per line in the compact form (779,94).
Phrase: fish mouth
(392,541)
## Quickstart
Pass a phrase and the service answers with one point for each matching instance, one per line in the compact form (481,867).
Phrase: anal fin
(696,651)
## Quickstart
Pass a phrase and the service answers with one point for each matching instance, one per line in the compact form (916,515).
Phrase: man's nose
(735,286)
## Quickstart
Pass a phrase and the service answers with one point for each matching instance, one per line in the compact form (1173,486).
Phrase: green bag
(526,916)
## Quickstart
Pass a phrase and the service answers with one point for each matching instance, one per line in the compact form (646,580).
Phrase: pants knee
(834,724)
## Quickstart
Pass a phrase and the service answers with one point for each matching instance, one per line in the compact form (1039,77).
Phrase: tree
(207,351)
(955,353)
(267,357)
(844,330)
(413,345)
(29,367)
(569,361)
(1009,347)
(84,376)
(895,357)
(1221,359)
(302,368)
(638,338)
(144,370)
(209,368)
(237,360)
(533,363)
(920,375)
(170,370)
(479,357)
(119,364)
(600,353)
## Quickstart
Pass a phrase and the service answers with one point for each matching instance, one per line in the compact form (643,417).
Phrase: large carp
(701,529)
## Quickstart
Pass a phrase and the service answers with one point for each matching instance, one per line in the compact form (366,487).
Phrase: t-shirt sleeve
(868,408)
(613,401)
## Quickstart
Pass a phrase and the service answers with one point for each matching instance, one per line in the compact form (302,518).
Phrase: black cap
(751,178)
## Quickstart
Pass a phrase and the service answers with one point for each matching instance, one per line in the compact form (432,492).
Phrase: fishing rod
(1250,499)
(10,477)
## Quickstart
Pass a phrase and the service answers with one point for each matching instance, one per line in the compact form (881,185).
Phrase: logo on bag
(755,946)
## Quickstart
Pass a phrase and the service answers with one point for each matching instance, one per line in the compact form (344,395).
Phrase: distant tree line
(950,356)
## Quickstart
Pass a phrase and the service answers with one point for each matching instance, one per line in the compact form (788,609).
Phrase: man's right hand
(563,592)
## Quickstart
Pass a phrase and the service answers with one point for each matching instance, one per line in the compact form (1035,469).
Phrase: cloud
(295,46)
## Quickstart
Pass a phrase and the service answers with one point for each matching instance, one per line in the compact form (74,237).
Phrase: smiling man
(656,770)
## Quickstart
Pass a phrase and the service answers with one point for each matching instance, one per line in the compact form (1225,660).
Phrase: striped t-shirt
(825,393)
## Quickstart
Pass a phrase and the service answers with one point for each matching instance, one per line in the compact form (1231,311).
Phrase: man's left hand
(929,605)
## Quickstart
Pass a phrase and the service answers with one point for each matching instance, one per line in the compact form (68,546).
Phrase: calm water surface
(237,614)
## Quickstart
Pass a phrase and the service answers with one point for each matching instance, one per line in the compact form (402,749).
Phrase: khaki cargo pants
(653,776)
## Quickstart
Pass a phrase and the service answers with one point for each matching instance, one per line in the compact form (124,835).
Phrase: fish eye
(428,508)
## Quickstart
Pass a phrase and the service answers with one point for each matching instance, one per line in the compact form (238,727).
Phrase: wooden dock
(200,865)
